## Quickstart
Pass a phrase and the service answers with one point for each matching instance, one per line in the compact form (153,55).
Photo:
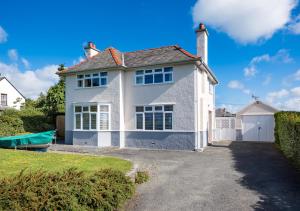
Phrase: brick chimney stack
(90,50)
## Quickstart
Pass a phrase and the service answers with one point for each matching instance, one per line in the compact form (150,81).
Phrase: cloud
(282,56)
(3,35)
(272,96)
(250,71)
(294,27)
(246,21)
(287,81)
(25,62)
(285,99)
(267,80)
(13,54)
(235,84)
(78,60)
(31,82)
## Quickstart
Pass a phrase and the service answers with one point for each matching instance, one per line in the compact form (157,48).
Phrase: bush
(69,190)
(287,135)
(14,122)
(141,177)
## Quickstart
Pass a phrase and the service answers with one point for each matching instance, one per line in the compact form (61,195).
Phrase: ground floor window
(91,117)
(158,117)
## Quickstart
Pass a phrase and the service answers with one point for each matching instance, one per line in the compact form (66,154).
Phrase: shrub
(287,135)
(141,177)
(14,122)
(69,190)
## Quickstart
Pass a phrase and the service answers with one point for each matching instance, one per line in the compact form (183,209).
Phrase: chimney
(90,50)
(202,40)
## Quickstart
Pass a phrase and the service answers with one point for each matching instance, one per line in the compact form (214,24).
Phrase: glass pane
(168,69)
(93,121)
(87,76)
(158,117)
(85,108)
(78,121)
(85,121)
(87,83)
(148,71)
(168,77)
(95,81)
(77,108)
(148,108)
(158,70)
(139,72)
(158,108)
(139,109)
(104,108)
(168,121)
(148,121)
(103,81)
(93,108)
(139,121)
(148,79)
(79,76)
(168,107)
(139,79)
(79,83)
(104,124)
(103,74)
(158,78)
(95,75)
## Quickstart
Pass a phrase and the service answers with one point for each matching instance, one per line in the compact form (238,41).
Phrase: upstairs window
(156,76)
(4,99)
(92,80)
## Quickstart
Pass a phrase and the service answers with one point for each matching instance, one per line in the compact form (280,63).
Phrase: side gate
(225,129)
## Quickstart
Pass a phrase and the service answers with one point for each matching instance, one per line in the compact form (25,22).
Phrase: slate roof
(112,57)
(1,78)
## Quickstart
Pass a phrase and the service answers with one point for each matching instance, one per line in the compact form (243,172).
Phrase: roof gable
(257,108)
(2,78)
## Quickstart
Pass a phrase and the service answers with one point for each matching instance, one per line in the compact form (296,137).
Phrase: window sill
(165,83)
(95,87)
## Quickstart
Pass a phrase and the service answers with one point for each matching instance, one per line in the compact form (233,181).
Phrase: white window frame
(90,119)
(153,111)
(153,73)
(2,101)
(92,77)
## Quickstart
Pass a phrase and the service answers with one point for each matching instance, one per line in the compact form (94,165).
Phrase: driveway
(226,176)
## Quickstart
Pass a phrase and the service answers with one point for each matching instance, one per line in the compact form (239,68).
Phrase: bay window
(91,117)
(158,117)
(156,76)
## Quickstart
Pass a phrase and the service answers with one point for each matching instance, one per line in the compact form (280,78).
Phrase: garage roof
(257,108)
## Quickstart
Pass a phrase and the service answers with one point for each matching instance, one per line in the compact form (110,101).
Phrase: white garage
(256,122)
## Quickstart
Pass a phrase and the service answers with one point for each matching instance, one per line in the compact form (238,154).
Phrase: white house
(10,97)
(162,98)
(255,122)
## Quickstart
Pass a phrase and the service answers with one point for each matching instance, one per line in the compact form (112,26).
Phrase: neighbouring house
(222,112)
(255,122)
(10,97)
(159,98)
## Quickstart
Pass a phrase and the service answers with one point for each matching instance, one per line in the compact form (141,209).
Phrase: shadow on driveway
(267,172)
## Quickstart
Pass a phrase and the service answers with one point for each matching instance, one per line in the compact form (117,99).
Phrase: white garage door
(258,128)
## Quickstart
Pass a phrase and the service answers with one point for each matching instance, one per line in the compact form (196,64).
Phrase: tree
(55,98)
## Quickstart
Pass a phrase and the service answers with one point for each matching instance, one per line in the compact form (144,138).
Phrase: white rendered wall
(180,93)
(12,94)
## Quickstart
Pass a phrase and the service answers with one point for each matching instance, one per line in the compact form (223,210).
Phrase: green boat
(28,141)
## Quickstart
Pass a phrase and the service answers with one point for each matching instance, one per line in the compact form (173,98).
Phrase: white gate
(225,129)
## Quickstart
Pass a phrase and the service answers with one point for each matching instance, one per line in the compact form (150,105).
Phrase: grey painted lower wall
(89,138)
(68,137)
(239,135)
(160,140)
(115,138)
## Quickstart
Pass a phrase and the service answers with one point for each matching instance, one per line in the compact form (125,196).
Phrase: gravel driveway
(226,176)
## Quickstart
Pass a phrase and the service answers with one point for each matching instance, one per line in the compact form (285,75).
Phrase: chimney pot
(90,50)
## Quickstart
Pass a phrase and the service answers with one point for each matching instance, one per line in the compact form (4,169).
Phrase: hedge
(31,120)
(69,190)
(287,135)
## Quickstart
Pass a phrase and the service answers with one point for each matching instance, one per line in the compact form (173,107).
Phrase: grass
(13,161)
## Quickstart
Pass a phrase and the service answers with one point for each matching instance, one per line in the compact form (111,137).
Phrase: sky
(254,45)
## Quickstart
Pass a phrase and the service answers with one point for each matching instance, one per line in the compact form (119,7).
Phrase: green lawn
(12,161)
